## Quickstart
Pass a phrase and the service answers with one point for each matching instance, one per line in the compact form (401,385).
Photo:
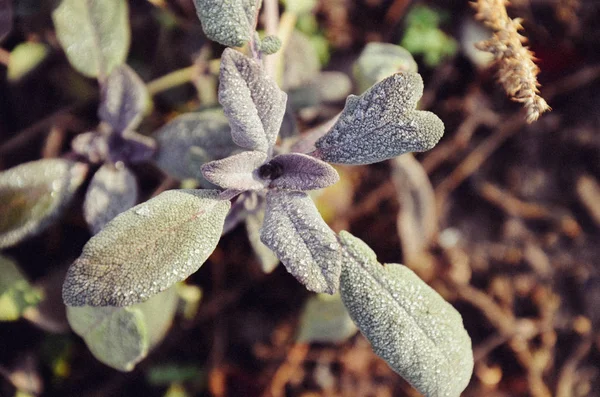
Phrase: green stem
(171,80)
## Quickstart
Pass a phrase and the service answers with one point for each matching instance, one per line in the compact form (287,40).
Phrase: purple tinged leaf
(381,124)
(124,99)
(236,172)
(303,172)
(251,100)
(35,194)
(205,133)
(6,16)
(230,23)
(308,248)
(147,249)
(113,189)
(130,147)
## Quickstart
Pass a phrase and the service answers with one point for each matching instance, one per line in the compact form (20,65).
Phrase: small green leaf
(182,139)
(94,34)
(381,124)
(16,294)
(268,260)
(24,58)
(270,45)
(34,194)
(380,60)
(418,333)
(229,22)
(120,337)
(146,249)
(324,319)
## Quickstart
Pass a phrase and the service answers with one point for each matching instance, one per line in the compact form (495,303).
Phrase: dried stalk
(517,69)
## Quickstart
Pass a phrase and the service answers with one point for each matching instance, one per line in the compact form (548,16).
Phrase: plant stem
(171,80)
(284,32)
(271,20)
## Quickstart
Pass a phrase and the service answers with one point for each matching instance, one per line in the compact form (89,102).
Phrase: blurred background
(502,217)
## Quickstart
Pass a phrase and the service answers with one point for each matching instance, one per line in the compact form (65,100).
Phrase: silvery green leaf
(230,22)
(120,337)
(303,172)
(380,60)
(34,194)
(207,131)
(16,293)
(270,45)
(252,101)
(418,333)
(254,221)
(94,34)
(236,172)
(146,249)
(124,98)
(6,15)
(113,189)
(381,124)
(295,231)
(325,319)
(130,147)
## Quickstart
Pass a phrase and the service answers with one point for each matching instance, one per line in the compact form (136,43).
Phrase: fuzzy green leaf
(251,100)
(381,124)
(182,139)
(111,191)
(34,194)
(94,34)
(307,247)
(24,58)
(229,22)
(418,333)
(146,249)
(120,337)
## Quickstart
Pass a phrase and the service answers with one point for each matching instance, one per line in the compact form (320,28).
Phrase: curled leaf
(380,60)
(180,141)
(113,189)
(381,124)
(308,248)
(418,333)
(120,337)
(146,249)
(34,194)
(302,172)
(236,172)
(252,101)
(94,34)
(124,99)
(230,23)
